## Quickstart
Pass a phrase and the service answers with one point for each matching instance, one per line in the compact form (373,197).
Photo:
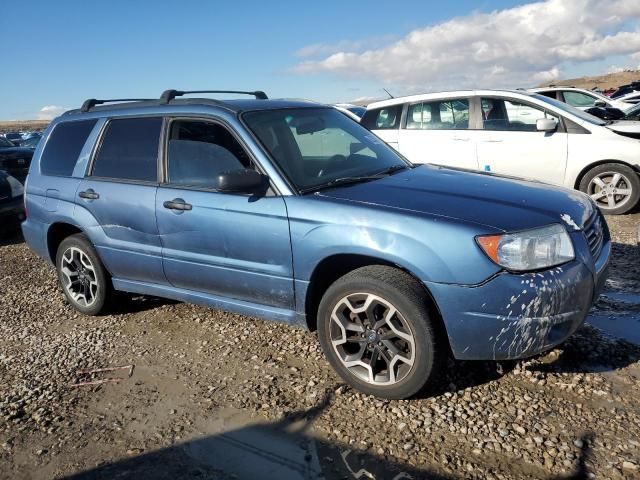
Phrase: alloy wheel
(610,190)
(79,277)
(372,339)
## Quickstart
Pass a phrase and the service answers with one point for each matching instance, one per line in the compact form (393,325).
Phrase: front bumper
(513,316)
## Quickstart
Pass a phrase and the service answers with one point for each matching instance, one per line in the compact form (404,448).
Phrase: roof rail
(169,95)
(92,102)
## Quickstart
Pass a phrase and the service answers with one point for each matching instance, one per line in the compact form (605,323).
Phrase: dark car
(13,137)
(11,200)
(15,160)
(626,89)
(606,113)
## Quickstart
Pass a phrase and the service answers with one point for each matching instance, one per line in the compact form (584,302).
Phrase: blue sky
(58,53)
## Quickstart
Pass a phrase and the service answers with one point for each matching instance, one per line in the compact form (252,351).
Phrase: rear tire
(376,331)
(82,277)
(613,186)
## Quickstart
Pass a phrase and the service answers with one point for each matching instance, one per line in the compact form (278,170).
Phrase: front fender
(434,249)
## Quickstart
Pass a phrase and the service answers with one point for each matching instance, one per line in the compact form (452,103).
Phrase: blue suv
(291,211)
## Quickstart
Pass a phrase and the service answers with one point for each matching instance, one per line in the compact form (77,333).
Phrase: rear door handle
(492,140)
(177,204)
(89,194)
(461,139)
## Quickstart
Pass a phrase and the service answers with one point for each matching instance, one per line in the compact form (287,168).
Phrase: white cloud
(615,69)
(49,112)
(520,46)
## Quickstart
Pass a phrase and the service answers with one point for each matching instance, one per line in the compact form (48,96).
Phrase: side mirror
(241,181)
(546,125)
(600,103)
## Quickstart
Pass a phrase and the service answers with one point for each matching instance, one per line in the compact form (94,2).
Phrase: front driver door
(235,246)
(509,142)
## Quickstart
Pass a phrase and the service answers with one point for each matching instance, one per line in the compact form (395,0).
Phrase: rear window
(129,150)
(386,118)
(64,146)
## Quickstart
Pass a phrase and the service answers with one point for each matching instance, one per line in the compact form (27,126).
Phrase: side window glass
(198,152)
(439,115)
(64,146)
(578,99)
(510,115)
(129,150)
(386,118)
(551,94)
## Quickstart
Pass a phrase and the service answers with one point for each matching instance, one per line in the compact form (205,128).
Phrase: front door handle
(461,139)
(177,204)
(89,194)
(492,140)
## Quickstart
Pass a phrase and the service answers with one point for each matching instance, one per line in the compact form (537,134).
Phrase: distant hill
(603,82)
(22,125)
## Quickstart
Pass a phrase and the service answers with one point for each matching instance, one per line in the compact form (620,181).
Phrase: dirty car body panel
(258,256)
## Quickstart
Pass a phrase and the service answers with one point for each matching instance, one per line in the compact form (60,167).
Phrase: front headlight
(16,187)
(530,250)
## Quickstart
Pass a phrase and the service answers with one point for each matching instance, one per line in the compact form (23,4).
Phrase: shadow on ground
(130,303)
(10,236)
(282,450)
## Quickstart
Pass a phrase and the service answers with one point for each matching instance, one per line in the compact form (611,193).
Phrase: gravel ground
(199,373)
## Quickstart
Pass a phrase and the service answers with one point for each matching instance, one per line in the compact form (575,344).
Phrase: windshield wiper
(355,179)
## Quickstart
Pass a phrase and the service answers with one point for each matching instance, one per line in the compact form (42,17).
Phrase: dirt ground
(220,396)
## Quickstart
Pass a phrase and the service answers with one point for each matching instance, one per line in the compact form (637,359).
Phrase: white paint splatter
(566,218)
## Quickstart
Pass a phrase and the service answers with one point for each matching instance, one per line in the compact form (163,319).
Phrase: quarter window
(198,152)
(386,118)
(439,115)
(64,146)
(129,150)
(509,115)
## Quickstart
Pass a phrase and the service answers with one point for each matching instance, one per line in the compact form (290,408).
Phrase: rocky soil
(573,413)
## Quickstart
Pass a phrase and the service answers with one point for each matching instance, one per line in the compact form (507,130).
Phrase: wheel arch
(583,172)
(56,233)
(331,268)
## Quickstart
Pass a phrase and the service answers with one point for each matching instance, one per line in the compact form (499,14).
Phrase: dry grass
(604,82)
(21,125)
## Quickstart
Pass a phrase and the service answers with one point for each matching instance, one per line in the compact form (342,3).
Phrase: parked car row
(516,133)
(582,98)
(22,139)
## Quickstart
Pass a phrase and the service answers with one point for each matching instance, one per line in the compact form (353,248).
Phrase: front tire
(82,277)
(376,331)
(614,187)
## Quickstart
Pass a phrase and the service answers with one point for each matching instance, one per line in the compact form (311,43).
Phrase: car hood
(503,203)
(624,126)
(15,152)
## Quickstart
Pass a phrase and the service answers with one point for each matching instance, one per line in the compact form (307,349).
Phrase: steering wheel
(336,159)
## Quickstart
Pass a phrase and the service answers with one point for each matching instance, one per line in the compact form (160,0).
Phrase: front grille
(594,233)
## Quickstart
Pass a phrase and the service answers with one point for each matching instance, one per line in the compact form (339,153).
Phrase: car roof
(183,104)
(447,94)
(560,87)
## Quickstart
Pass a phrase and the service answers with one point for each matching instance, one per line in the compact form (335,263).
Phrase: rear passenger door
(230,245)
(438,132)
(116,200)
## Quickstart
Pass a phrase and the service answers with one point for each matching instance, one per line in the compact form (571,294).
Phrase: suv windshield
(5,143)
(321,147)
(569,109)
